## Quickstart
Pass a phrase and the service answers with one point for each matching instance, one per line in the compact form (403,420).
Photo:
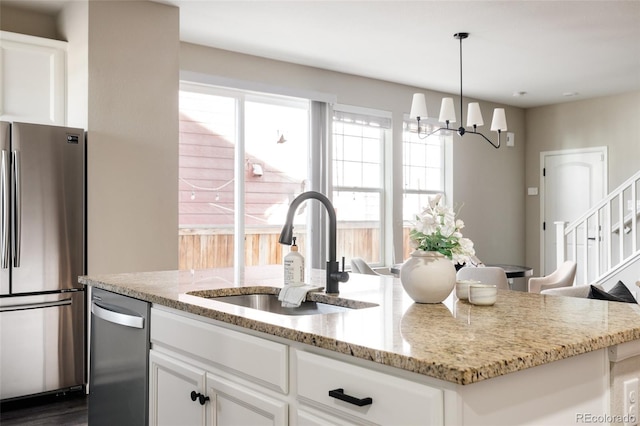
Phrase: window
(242,158)
(423,172)
(359,138)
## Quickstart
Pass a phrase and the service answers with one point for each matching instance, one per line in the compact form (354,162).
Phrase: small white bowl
(483,294)
(462,288)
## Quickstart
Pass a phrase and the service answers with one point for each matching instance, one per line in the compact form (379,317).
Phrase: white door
(573,181)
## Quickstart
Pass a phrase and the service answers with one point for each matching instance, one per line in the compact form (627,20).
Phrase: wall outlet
(630,414)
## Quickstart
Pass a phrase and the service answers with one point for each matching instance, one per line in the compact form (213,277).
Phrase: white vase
(428,276)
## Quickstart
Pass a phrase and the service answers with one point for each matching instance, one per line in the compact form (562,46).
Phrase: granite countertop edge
(438,370)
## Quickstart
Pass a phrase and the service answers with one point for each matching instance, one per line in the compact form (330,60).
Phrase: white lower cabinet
(205,374)
(202,374)
(336,392)
(234,404)
(184,395)
(171,385)
(310,417)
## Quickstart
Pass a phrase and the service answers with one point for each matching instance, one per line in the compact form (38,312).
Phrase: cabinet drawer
(259,360)
(393,400)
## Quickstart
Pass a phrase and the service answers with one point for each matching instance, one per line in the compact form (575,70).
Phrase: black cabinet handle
(203,399)
(360,402)
(200,397)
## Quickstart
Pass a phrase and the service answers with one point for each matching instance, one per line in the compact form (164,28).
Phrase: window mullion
(239,196)
(320,177)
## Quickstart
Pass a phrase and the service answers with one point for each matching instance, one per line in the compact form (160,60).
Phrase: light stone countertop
(452,341)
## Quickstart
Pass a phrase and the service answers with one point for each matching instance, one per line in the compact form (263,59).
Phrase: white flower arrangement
(436,229)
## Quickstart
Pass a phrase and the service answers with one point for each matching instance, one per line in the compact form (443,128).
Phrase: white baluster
(560,243)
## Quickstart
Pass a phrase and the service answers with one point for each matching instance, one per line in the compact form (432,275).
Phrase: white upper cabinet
(33,75)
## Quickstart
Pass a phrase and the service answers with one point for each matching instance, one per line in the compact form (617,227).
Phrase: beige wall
(609,121)
(489,182)
(21,21)
(133,136)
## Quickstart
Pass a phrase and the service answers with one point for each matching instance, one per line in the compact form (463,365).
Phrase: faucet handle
(335,276)
(342,276)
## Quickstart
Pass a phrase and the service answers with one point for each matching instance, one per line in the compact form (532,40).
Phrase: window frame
(446,146)
(383,188)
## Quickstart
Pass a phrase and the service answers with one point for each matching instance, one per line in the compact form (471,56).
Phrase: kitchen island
(529,359)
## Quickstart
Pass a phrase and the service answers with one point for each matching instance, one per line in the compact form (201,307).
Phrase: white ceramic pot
(462,288)
(428,276)
(483,294)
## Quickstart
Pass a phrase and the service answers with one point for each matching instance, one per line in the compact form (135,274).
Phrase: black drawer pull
(360,402)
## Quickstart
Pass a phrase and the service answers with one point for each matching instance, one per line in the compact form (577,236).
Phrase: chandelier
(448,113)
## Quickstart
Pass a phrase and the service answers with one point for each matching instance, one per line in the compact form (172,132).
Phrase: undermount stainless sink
(270,303)
(265,298)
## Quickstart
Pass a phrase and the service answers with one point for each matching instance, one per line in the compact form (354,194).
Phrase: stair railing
(605,237)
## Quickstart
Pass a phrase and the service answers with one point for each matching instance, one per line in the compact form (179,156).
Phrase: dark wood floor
(66,410)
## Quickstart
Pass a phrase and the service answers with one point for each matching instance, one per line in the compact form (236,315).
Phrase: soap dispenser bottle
(294,266)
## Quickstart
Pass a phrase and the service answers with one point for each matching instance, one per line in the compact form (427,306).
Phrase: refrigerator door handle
(26,306)
(4,199)
(17,212)
(111,315)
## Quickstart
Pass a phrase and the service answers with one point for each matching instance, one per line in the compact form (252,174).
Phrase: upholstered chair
(561,277)
(359,266)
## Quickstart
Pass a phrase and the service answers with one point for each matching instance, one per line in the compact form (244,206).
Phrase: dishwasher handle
(111,314)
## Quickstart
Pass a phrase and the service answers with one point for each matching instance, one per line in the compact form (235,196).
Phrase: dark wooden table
(515,271)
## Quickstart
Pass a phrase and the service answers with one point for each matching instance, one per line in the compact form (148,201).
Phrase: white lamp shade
(418,106)
(474,115)
(499,121)
(447,111)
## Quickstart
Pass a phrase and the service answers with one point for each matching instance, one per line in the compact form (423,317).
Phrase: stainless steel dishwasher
(119,354)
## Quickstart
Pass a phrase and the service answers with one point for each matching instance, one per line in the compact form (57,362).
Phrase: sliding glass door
(242,159)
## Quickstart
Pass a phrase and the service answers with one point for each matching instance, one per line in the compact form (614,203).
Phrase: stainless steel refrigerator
(42,253)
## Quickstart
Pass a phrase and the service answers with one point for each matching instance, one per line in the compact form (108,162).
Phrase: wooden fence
(213,248)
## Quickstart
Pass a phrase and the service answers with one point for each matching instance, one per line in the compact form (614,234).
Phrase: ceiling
(555,51)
